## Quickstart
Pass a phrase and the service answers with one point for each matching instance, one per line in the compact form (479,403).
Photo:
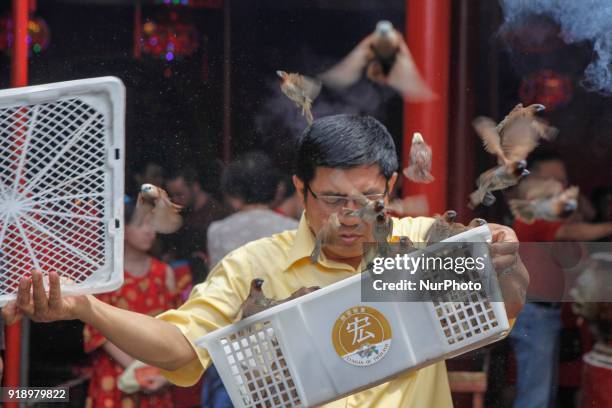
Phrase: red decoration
(532,33)
(38,34)
(547,87)
(169,38)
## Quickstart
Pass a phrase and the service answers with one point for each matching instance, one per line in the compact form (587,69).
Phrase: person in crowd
(149,289)
(288,202)
(186,249)
(535,337)
(249,185)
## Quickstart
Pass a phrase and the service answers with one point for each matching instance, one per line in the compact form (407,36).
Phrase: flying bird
(497,178)
(510,141)
(328,234)
(382,230)
(370,211)
(419,161)
(386,59)
(302,90)
(538,125)
(414,206)
(544,199)
(374,213)
(154,206)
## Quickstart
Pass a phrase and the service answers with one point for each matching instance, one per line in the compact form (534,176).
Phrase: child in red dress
(148,288)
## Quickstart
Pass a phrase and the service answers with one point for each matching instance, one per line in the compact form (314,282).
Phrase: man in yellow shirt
(339,158)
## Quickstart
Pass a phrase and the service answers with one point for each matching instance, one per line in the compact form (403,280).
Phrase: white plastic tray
(61,184)
(287,356)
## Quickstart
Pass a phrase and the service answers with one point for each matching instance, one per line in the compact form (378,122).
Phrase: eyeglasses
(360,201)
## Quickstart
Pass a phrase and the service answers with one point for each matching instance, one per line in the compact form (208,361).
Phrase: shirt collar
(303,244)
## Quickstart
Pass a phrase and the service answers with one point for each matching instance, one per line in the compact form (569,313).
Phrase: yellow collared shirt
(283,262)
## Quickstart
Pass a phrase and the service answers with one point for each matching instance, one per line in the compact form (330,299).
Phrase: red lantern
(169,38)
(38,34)
(547,87)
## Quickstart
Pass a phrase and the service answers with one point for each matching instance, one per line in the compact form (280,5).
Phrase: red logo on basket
(361,336)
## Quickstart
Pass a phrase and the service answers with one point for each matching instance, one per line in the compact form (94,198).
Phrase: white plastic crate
(292,354)
(61,184)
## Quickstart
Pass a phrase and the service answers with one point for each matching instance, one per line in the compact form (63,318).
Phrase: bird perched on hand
(510,141)
(419,161)
(544,199)
(386,59)
(154,207)
(301,90)
(258,302)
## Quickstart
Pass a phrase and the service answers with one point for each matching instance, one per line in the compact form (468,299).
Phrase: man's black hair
(288,186)
(252,178)
(344,141)
(541,155)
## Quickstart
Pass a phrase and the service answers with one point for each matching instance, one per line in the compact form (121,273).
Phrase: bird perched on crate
(510,141)
(154,207)
(386,59)
(258,302)
(445,226)
(302,90)
(544,199)
(419,161)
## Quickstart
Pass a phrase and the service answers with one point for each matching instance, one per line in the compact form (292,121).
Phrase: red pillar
(428,32)
(19,77)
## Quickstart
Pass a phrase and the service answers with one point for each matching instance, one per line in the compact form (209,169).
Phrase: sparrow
(369,212)
(541,128)
(258,302)
(328,234)
(510,141)
(374,213)
(302,90)
(543,199)
(382,230)
(497,178)
(154,206)
(386,59)
(414,206)
(445,226)
(419,161)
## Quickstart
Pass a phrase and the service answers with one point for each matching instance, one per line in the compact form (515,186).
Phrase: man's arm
(153,341)
(582,231)
(117,354)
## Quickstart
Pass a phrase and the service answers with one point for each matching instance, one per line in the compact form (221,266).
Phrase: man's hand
(512,274)
(33,302)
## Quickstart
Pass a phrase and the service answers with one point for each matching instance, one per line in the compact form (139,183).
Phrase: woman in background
(148,288)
